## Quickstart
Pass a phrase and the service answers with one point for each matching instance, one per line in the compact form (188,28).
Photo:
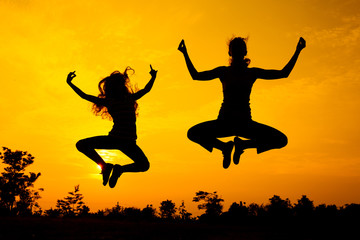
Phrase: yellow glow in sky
(317,107)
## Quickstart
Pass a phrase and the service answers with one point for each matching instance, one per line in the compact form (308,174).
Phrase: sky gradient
(317,106)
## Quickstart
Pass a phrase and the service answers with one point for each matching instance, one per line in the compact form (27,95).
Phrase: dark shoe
(106,173)
(115,175)
(227,154)
(239,149)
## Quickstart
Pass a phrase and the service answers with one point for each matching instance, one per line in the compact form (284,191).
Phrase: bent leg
(263,137)
(206,134)
(133,151)
(87,146)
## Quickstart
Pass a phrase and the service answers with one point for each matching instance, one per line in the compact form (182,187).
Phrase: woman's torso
(124,118)
(237,84)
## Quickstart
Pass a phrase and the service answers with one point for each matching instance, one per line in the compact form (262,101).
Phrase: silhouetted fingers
(71,75)
(303,42)
(152,71)
(181,45)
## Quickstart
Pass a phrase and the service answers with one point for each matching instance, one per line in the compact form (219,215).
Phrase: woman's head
(115,86)
(238,51)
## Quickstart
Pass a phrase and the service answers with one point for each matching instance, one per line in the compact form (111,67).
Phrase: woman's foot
(239,149)
(227,154)
(106,170)
(115,175)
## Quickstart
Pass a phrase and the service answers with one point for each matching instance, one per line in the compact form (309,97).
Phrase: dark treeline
(212,204)
(18,198)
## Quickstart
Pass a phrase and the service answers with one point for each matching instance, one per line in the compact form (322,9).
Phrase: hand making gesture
(301,44)
(182,47)
(153,72)
(70,77)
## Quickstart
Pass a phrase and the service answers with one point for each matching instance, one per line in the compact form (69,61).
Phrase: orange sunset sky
(317,107)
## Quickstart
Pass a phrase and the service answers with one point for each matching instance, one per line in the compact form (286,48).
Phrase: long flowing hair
(116,86)
(238,51)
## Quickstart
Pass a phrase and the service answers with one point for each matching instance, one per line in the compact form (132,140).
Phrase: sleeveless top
(124,118)
(237,85)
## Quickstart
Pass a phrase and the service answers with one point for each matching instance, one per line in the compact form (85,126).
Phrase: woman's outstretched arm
(83,95)
(205,75)
(285,72)
(148,86)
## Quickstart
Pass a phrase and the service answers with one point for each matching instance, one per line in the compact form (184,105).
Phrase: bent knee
(81,146)
(283,141)
(192,134)
(144,166)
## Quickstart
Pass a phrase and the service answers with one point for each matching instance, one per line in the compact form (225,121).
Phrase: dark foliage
(167,209)
(279,207)
(17,196)
(72,205)
(212,204)
(304,207)
(184,215)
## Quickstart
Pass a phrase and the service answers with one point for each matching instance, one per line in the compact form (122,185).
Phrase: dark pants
(129,148)
(263,136)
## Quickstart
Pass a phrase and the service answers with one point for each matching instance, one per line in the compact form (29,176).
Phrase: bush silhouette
(72,205)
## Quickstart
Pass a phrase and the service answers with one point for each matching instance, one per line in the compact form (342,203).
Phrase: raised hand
(301,44)
(70,77)
(182,47)
(153,72)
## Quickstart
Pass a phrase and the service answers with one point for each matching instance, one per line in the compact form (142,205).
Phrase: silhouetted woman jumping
(116,101)
(234,117)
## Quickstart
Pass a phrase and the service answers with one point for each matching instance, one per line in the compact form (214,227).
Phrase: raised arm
(202,76)
(148,86)
(285,72)
(83,95)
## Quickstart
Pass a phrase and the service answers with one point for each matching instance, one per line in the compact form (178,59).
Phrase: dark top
(237,84)
(124,117)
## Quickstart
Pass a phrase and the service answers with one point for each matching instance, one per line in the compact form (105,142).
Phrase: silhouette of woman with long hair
(116,101)
(234,117)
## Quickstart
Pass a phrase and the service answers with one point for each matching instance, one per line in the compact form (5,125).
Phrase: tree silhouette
(211,202)
(72,205)
(279,207)
(132,213)
(184,214)
(115,212)
(167,209)
(52,212)
(351,210)
(326,211)
(255,209)
(17,196)
(148,213)
(237,211)
(304,207)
